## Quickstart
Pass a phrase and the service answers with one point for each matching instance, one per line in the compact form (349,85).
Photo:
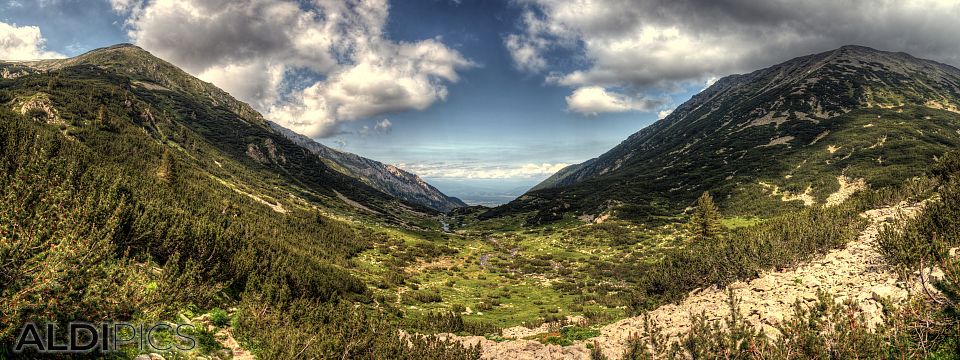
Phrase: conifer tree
(706,219)
(101,115)
(167,167)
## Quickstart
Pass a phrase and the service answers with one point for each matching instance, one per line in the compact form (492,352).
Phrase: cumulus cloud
(526,52)
(23,43)
(591,100)
(470,171)
(122,6)
(248,47)
(381,127)
(654,45)
(664,113)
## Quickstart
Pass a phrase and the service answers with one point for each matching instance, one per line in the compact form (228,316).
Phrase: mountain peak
(853,47)
(123,49)
(834,113)
(116,46)
(155,73)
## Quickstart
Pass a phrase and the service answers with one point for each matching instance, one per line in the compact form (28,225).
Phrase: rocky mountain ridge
(384,177)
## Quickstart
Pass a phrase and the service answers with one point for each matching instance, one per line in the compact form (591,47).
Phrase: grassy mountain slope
(383,177)
(134,192)
(776,138)
(186,113)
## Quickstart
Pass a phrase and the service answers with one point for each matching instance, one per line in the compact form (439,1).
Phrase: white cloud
(389,77)
(247,47)
(123,6)
(466,171)
(709,82)
(647,46)
(526,53)
(381,127)
(256,82)
(664,113)
(592,100)
(23,43)
(384,125)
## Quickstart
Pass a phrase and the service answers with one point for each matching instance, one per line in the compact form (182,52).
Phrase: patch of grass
(566,336)
(740,221)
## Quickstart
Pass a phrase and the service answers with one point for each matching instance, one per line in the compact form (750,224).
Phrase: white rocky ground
(856,272)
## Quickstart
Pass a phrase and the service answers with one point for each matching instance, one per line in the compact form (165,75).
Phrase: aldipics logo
(84,337)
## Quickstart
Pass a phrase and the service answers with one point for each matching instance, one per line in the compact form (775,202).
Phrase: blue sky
(494,115)
(477,96)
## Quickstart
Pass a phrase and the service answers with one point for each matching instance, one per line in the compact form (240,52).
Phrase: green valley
(133,191)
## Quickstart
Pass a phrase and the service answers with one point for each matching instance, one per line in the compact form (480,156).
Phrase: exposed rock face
(253,151)
(12,72)
(41,109)
(857,273)
(383,177)
(275,156)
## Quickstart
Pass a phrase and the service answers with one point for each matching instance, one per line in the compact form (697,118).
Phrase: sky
(482,98)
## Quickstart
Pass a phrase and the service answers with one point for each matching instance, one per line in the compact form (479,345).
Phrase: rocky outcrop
(39,108)
(254,153)
(11,72)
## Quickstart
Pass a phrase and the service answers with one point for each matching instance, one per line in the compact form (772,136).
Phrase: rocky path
(224,336)
(856,272)
(226,339)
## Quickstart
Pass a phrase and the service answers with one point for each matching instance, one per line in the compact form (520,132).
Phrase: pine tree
(101,115)
(167,169)
(706,219)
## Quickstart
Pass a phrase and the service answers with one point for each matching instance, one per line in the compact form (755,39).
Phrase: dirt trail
(226,339)
(231,347)
(856,272)
(848,186)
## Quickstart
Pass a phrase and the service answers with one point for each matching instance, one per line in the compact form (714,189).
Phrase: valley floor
(856,273)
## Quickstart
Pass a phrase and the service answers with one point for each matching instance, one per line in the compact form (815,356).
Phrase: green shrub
(421,296)
(450,322)
(927,238)
(219,317)
(570,334)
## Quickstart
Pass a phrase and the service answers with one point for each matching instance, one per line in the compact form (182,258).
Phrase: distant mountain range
(787,136)
(387,178)
(485,192)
